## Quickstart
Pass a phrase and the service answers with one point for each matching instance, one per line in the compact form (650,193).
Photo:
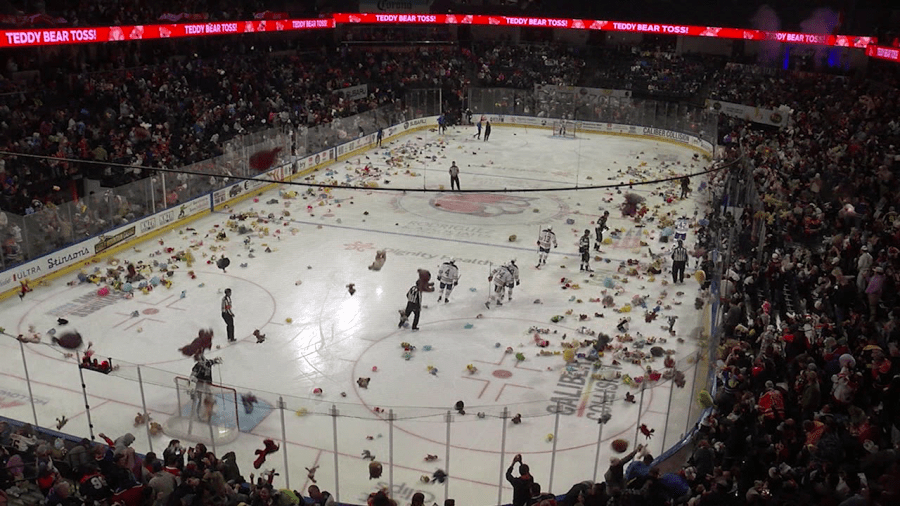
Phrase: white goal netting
(564,128)
(207,415)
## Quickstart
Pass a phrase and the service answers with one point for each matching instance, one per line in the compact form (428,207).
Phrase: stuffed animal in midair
(424,283)
(203,341)
(270,447)
(375,469)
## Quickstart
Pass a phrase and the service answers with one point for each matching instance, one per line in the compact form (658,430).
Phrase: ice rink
(290,282)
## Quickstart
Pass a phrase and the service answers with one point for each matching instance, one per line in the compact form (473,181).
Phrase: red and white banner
(271,22)
(43,37)
(613,26)
(884,53)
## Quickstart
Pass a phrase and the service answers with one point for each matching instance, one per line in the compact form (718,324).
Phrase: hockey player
(201,376)
(584,247)
(500,277)
(514,278)
(448,276)
(545,238)
(599,228)
(682,225)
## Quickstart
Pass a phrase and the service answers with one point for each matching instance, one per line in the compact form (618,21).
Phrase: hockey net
(207,415)
(564,128)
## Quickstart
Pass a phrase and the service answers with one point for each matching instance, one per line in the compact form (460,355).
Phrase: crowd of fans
(39,470)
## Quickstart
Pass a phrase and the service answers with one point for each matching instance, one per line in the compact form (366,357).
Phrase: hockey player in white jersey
(500,277)
(513,278)
(448,276)
(545,239)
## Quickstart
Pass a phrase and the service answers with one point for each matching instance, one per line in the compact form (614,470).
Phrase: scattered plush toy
(155,428)
(351,288)
(363,382)
(647,431)
(679,379)
(375,470)
(62,321)
(704,399)
(629,397)
(32,338)
(260,337)
(317,391)
(380,258)
(430,458)
(439,476)
(460,407)
(367,455)
(61,422)
(471,368)
(270,447)
(141,419)
(248,400)
(203,341)
(223,263)
(517,419)
(24,288)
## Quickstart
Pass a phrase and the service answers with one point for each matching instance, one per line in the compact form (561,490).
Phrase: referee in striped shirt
(679,260)
(228,315)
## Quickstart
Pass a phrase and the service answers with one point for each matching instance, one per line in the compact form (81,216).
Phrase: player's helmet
(586,231)
(513,261)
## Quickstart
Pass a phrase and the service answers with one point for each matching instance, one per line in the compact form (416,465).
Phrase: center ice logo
(482,204)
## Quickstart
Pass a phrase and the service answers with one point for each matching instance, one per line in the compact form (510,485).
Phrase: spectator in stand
(637,470)
(93,486)
(60,495)
(162,484)
(521,484)
(319,497)
(189,492)
(615,475)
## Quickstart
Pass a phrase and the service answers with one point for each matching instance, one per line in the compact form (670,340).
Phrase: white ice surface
(335,338)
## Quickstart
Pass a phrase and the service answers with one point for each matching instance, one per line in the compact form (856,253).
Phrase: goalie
(201,394)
